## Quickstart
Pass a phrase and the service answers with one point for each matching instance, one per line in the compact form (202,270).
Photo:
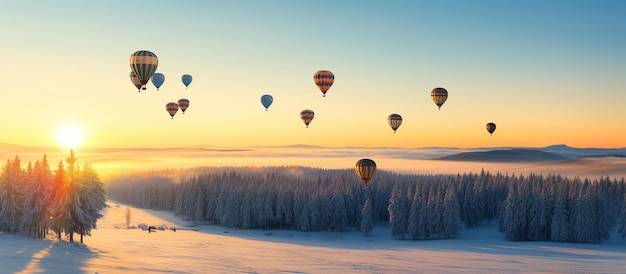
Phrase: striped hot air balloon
(143,63)
(394,120)
(266,100)
(439,95)
(307,116)
(171,108)
(323,79)
(183,104)
(491,127)
(135,80)
(365,169)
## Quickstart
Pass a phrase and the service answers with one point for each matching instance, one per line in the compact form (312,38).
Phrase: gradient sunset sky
(546,72)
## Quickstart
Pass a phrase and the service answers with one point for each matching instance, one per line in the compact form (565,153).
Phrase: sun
(70,136)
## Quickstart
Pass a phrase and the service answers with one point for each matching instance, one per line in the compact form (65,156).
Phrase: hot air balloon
(186,78)
(158,79)
(135,80)
(183,104)
(491,127)
(143,63)
(439,95)
(171,108)
(306,116)
(394,120)
(266,100)
(323,79)
(365,169)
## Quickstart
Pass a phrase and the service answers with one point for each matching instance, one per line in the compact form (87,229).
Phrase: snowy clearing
(214,249)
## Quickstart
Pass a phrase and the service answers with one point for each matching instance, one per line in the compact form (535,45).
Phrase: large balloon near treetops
(394,120)
(183,104)
(266,100)
(186,78)
(171,108)
(491,127)
(307,116)
(323,79)
(158,79)
(439,96)
(143,63)
(365,169)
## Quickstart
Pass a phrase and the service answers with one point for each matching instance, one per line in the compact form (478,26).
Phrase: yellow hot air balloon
(394,120)
(307,116)
(171,108)
(439,96)
(365,169)
(323,79)
(183,104)
(143,63)
(491,127)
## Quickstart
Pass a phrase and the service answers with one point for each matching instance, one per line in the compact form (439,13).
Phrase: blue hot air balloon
(158,79)
(267,100)
(186,80)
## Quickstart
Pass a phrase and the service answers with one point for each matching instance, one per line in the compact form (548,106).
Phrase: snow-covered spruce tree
(91,200)
(367,222)
(622,219)
(11,181)
(398,213)
(451,219)
(36,199)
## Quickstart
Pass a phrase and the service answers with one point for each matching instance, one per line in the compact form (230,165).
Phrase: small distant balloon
(186,78)
(365,169)
(394,120)
(143,63)
(266,101)
(491,127)
(135,80)
(171,108)
(307,116)
(183,104)
(323,79)
(158,79)
(439,96)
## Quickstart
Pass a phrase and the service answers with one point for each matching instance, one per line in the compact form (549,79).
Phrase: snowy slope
(213,249)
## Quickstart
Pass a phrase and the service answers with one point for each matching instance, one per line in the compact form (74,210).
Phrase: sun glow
(69,136)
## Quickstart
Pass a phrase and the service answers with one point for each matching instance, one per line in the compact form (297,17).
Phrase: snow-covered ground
(214,249)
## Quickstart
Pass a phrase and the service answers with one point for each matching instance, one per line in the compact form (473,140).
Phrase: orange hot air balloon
(135,80)
(171,108)
(323,79)
(439,96)
(183,104)
(307,116)
(365,169)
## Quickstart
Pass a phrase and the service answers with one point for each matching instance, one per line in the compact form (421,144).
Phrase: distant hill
(505,155)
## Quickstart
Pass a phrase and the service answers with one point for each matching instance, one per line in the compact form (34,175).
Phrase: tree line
(533,207)
(66,201)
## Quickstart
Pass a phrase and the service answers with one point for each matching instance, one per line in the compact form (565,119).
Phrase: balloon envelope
(439,96)
(491,127)
(306,116)
(143,63)
(186,78)
(171,108)
(365,169)
(183,104)
(394,120)
(323,79)
(158,79)
(135,80)
(266,101)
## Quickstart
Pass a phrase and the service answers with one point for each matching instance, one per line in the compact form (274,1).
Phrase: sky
(546,72)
